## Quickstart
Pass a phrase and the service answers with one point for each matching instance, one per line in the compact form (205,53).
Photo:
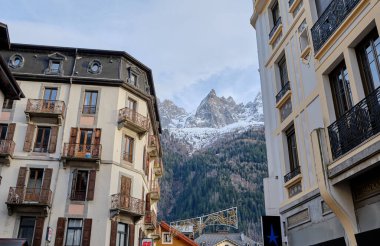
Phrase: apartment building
(320,69)
(86,159)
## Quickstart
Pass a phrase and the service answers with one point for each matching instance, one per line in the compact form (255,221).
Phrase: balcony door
(50,96)
(85,142)
(125,192)
(34,185)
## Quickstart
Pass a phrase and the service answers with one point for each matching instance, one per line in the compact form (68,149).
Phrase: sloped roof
(215,238)
(165,226)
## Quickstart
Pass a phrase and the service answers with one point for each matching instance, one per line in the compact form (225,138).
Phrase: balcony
(275,32)
(7,148)
(127,205)
(289,176)
(357,125)
(150,220)
(154,190)
(82,153)
(45,111)
(157,168)
(282,95)
(153,146)
(134,121)
(29,200)
(330,20)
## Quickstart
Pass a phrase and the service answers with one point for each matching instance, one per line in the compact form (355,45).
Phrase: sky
(192,46)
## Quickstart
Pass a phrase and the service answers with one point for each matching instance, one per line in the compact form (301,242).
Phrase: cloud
(187,43)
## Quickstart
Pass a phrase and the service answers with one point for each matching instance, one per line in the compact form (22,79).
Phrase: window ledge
(284,99)
(305,52)
(293,181)
(275,35)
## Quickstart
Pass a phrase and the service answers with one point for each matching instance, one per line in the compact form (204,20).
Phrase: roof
(215,238)
(178,234)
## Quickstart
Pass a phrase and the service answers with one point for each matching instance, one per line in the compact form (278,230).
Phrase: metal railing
(291,2)
(45,106)
(77,195)
(292,174)
(127,114)
(330,20)
(24,195)
(152,141)
(89,109)
(150,219)
(276,25)
(90,151)
(127,203)
(157,167)
(283,91)
(7,147)
(357,125)
(154,187)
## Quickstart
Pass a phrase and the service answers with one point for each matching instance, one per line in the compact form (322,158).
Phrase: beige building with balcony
(320,76)
(86,159)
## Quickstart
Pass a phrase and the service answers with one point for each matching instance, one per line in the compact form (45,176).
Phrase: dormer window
(55,64)
(133,79)
(94,67)
(133,76)
(16,61)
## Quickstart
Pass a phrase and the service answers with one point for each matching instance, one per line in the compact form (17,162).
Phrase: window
(340,88)
(275,13)
(368,52)
(128,149)
(90,100)
(41,143)
(132,104)
(94,67)
(292,148)
(55,66)
(16,61)
(26,229)
(122,234)
(7,104)
(133,78)
(50,94)
(3,131)
(321,6)
(34,184)
(79,185)
(74,232)
(166,238)
(283,71)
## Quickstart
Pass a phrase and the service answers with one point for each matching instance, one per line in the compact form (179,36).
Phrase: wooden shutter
(39,228)
(86,232)
(147,202)
(73,135)
(113,233)
(131,234)
(98,134)
(29,137)
(10,131)
(53,139)
(91,185)
(45,194)
(125,191)
(60,231)
(21,177)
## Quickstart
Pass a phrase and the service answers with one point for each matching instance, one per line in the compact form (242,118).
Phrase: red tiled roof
(178,234)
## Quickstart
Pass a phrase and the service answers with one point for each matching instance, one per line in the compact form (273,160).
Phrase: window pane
(26,229)
(3,131)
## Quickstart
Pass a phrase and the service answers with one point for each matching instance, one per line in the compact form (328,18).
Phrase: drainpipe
(333,197)
(63,134)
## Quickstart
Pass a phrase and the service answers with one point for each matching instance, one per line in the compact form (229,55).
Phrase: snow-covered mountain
(215,116)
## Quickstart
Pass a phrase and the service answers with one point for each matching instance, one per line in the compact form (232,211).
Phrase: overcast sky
(192,46)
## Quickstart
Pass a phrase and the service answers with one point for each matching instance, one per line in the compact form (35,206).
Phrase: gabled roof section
(57,56)
(165,226)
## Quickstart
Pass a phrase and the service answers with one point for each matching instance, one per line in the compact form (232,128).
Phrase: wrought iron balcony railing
(357,125)
(82,151)
(45,106)
(152,141)
(283,91)
(154,190)
(150,219)
(7,147)
(157,167)
(24,195)
(330,20)
(129,204)
(275,27)
(292,174)
(133,120)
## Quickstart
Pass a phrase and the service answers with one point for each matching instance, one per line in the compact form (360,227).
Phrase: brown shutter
(125,191)
(74,184)
(29,137)
(53,139)
(147,202)
(39,228)
(21,177)
(45,193)
(98,134)
(73,135)
(131,235)
(113,233)
(60,234)
(86,232)
(10,131)
(91,185)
